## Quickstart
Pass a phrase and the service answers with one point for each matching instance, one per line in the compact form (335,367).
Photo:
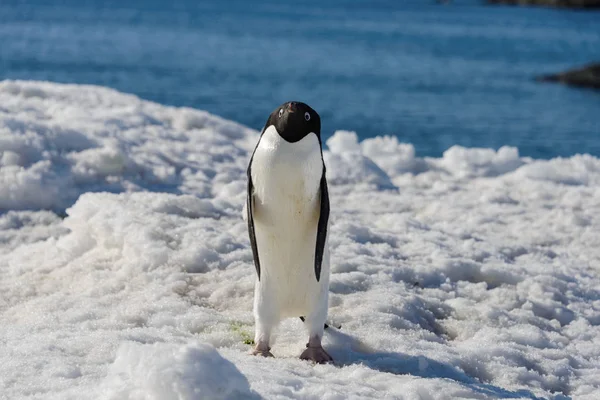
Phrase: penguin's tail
(326,325)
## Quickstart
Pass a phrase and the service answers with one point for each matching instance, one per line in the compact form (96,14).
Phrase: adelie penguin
(288,214)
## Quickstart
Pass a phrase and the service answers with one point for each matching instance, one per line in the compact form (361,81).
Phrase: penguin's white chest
(286,178)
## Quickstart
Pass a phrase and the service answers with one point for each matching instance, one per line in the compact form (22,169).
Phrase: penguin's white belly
(286,178)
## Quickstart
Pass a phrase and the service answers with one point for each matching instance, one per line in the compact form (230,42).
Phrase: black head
(294,120)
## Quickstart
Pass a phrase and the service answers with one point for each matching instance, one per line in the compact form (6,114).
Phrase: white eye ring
(280,112)
(307,116)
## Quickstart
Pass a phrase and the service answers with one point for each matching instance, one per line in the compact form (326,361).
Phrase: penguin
(287,211)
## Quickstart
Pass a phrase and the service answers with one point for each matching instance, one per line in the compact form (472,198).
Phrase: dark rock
(588,76)
(551,3)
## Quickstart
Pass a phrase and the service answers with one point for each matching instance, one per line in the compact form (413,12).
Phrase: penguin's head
(294,120)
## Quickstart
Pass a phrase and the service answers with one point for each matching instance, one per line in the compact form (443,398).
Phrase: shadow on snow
(347,350)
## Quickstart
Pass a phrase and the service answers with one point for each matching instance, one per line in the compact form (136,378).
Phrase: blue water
(433,75)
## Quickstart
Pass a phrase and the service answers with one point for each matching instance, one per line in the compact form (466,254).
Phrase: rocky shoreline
(551,3)
(587,76)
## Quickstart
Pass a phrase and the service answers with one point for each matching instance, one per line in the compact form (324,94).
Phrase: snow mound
(377,160)
(393,157)
(577,170)
(463,162)
(347,165)
(171,372)
(52,149)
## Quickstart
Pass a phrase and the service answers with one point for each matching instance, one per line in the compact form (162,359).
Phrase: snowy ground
(476,275)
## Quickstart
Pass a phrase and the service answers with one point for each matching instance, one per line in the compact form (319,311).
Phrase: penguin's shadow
(347,350)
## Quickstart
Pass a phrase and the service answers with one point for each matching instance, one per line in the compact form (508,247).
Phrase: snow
(167,371)
(126,273)
(67,140)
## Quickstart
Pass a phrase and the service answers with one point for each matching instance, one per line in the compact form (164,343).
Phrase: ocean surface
(434,75)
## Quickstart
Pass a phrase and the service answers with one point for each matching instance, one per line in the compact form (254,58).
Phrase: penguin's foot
(264,353)
(316,354)
(262,350)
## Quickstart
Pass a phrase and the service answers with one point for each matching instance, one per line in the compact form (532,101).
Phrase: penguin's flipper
(250,219)
(322,226)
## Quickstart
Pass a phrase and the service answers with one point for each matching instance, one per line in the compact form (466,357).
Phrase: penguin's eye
(307,116)
(280,112)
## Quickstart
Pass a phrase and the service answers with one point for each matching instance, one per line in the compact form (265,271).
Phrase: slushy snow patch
(126,273)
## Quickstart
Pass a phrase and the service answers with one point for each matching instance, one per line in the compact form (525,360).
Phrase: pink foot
(316,354)
(264,351)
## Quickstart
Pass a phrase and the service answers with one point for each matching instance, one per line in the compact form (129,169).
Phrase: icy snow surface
(476,275)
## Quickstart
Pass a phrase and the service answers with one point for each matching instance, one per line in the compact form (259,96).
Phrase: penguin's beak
(292,107)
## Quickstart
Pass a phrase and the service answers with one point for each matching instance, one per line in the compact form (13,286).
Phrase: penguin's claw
(262,352)
(316,354)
